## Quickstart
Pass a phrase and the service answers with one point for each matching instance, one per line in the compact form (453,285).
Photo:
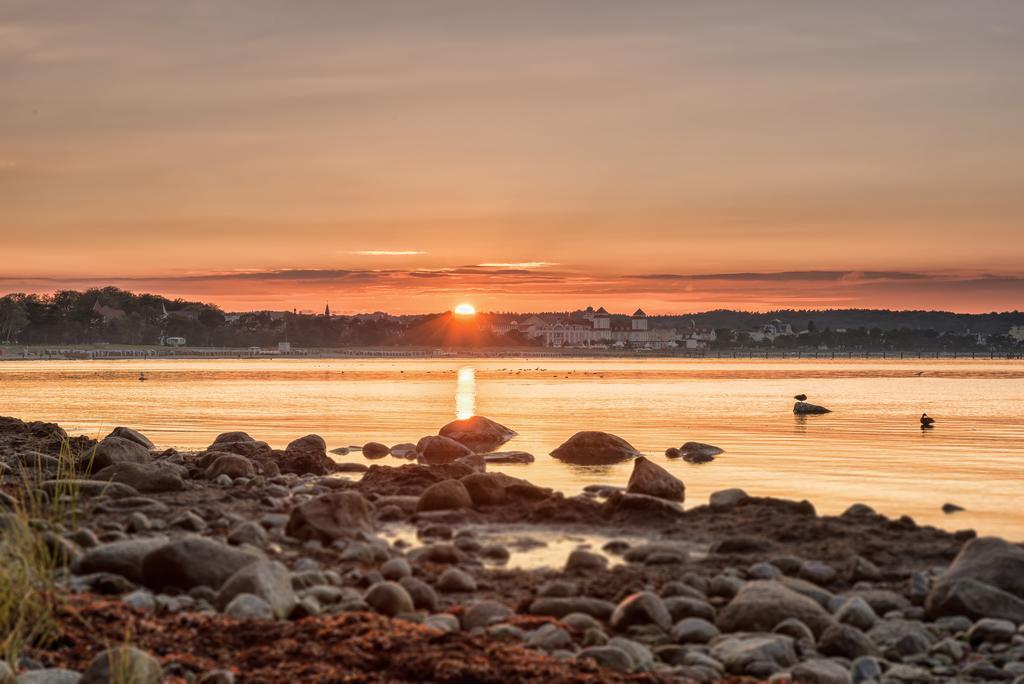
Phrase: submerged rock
(509,457)
(651,479)
(374,450)
(803,408)
(699,450)
(478,433)
(438,450)
(595,448)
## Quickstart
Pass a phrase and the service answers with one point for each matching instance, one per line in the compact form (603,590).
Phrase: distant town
(73,324)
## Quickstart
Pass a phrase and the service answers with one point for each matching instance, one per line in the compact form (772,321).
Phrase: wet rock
(951,508)
(122,558)
(338,515)
(249,607)
(454,580)
(642,506)
(376,450)
(739,653)
(651,479)
(132,435)
(509,457)
(581,560)
(438,450)
(699,451)
(485,613)
(760,605)
(986,579)
(485,489)
(820,671)
(396,569)
(595,448)
(423,595)
(478,433)
(118,450)
(306,455)
(389,598)
(231,465)
(610,657)
(123,664)
(724,499)
(673,452)
(445,495)
(641,608)
(803,408)
(693,630)
(193,561)
(270,580)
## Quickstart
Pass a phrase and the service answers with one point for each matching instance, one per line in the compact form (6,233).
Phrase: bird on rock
(801,397)
(926,421)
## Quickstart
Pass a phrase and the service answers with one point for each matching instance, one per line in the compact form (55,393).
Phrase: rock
(306,455)
(48,676)
(724,499)
(231,465)
(558,607)
(249,607)
(338,515)
(375,450)
(803,408)
(396,569)
(485,613)
(992,631)
(509,457)
(741,543)
(866,669)
(845,641)
(820,573)
(123,664)
(651,479)
(642,506)
(423,595)
(143,477)
(906,674)
(856,611)
(699,451)
(795,630)
(549,637)
(117,450)
(132,435)
(454,581)
(581,560)
(445,495)
(193,561)
(478,433)
(249,533)
(445,622)
(86,488)
(760,605)
(693,630)
(680,607)
(643,658)
(951,508)
(986,579)
(438,450)
(389,598)
(122,558)
(140,600)
(404,450)
(641,608)
(484,489)
(610,657)
(737,653)
(673,452)
(820,671)
(595,448)
(270,580)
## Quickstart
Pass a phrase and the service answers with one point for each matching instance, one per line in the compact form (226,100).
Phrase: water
(870,449)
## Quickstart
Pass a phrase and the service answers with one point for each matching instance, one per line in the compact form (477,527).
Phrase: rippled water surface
(870,449)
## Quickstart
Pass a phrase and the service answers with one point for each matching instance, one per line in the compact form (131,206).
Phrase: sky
(408,156)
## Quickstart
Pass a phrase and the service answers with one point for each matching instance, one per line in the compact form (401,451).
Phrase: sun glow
(465,310)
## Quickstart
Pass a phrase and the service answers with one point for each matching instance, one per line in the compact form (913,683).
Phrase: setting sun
(465,310)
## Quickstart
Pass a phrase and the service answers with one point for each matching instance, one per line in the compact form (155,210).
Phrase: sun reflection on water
(465,393)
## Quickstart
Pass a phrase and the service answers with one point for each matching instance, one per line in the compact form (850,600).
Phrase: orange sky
(410,155)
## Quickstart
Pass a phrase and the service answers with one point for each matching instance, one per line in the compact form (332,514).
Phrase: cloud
(518,264)
(387,252)
(785,276)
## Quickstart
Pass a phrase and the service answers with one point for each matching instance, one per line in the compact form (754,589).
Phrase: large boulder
(803,408)
(986,579)
(439,450)
(240,443)
(338,515)
(762,604)
(595,448)
(122,558)
(306,455)
(193,561)
(445,495)
(651,479)
(143,477)
(495,489)
(231,465)
(133,435)
(269,580)
(117,450)
(478,433)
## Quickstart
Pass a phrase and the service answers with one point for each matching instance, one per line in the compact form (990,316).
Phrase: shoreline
(422,549)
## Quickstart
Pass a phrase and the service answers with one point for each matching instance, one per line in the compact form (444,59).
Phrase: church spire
(327,310)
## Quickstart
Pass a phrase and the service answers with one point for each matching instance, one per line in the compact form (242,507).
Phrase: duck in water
(142,377)
(926,421)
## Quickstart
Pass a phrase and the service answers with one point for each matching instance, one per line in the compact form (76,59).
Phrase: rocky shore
(244,563)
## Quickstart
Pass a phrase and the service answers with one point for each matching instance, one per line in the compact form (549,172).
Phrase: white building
(1017,333)
(174,341)
(770,331)
(592,329)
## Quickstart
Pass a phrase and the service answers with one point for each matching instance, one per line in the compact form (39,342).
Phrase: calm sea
(869,450)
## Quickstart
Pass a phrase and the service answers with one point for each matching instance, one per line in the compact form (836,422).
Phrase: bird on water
(801,397)
(926,421)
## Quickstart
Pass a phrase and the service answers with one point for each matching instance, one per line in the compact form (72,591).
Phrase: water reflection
(465,393)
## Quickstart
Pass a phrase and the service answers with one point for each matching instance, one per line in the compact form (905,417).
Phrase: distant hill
(942,321)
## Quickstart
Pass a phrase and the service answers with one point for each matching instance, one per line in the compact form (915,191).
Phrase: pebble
(454,580)
(641,608)
(389,598)
(856,611)
(249,607)
(396,569)
(693,630)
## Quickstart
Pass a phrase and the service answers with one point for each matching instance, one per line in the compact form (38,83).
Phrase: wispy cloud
(387,252)
(518,264)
